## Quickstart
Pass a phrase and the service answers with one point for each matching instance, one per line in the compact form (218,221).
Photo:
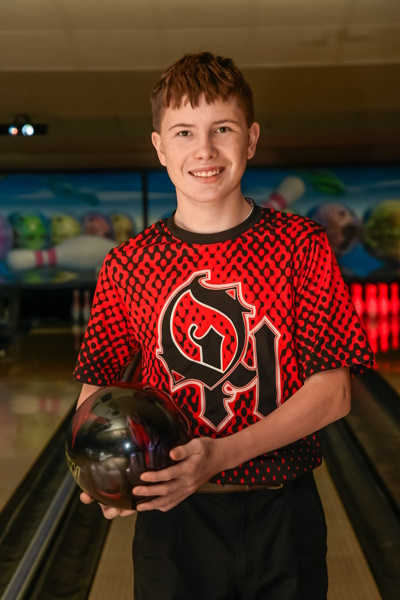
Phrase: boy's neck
(212,219)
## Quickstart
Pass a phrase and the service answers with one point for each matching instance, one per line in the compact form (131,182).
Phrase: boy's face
(205,149)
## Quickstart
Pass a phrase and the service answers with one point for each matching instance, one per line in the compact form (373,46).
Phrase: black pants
(261,545)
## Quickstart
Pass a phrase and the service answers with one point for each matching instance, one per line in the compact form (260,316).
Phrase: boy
(242,315)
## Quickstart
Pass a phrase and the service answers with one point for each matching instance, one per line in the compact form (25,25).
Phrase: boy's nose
(205,148)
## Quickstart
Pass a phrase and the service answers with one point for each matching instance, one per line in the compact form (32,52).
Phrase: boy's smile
(205,150)
(205,173)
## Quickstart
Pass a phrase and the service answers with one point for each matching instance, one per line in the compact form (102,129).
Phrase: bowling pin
(384,333)
(357,298)
(289,190)
(371,300)
(87,306)
(76,307)
(371,329)
(394,301)
(77,335)
(394,333)
(383,299)
(48,404)
(81,253)
(5,315)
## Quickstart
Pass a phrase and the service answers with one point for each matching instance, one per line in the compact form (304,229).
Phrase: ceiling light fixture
(23,125)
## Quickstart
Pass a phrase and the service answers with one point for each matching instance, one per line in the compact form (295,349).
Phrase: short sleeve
(109,342)
(329,333)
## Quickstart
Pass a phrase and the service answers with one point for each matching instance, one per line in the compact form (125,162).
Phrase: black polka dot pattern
(277,270)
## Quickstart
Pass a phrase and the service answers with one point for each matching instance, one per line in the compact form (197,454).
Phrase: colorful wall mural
(55,228)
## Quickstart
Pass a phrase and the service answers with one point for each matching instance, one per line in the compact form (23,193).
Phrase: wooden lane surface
(36,392)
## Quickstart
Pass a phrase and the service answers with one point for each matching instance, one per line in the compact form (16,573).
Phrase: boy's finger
(85,498)
(178,453)
(109,512)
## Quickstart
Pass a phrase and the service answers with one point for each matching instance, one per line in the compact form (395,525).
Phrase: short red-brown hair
(200,75)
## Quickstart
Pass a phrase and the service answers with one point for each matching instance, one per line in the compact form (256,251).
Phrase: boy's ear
(254,134)
(156,140)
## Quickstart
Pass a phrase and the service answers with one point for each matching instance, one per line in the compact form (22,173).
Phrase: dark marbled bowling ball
(119,432)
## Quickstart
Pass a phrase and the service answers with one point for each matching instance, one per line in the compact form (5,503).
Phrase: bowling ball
(382,231)
(30,230)
(95,223)
(119,432)
(343,227)
(123,227)
(64,227)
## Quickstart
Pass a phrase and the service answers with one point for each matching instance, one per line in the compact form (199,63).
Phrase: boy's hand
(197,461)
(108,511)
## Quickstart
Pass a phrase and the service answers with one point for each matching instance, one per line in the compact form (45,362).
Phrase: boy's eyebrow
(189,125)
(180,125)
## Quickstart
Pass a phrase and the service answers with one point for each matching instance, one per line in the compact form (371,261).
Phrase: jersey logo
(205,341)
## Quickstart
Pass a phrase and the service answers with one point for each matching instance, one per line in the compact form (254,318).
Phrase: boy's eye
(223,129)
(183,133)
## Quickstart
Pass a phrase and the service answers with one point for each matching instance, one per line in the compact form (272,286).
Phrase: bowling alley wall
(50,222)
(56,228)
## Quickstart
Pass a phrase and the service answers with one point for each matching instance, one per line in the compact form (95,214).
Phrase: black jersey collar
(213,238)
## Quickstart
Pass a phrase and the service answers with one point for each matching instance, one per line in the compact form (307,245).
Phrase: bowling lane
(389,367)
(378,306)
(349,573)
(383,332)
(36,392)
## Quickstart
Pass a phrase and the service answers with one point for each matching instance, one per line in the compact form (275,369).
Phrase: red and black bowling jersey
(230,324)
